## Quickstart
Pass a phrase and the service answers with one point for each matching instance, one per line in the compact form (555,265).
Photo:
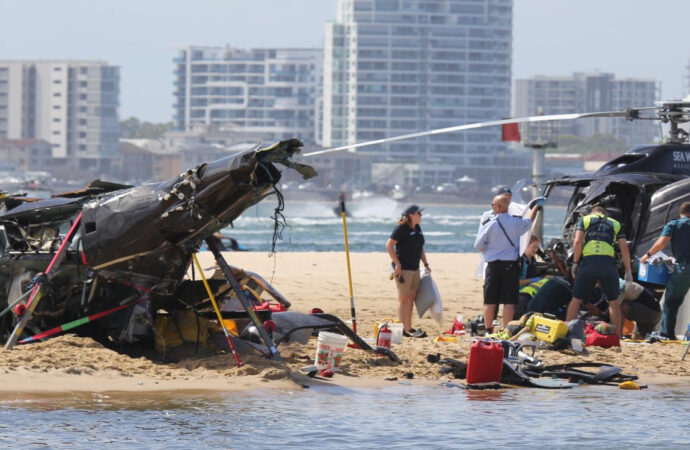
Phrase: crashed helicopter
(123,252)
(112,246)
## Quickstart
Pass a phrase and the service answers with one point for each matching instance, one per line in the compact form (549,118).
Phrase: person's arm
(534,210)
(659,245)
(424,260)
(577,246)
(390,246)
(625,256)
(480,242)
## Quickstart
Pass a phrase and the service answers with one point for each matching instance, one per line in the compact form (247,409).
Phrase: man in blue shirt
(677,232)
(498,241)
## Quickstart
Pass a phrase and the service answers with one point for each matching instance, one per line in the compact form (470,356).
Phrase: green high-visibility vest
(532,288)
(601,233)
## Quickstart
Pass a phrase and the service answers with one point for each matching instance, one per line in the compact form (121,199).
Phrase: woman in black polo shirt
(406,248)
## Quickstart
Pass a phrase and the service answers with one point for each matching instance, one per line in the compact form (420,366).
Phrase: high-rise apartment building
(266,93)
(393,67)
(71,104)
(590,92)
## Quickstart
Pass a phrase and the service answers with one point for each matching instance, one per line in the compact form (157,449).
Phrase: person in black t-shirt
(406,248)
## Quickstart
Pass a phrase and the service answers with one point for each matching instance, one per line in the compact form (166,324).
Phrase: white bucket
(396,332)
(329,350)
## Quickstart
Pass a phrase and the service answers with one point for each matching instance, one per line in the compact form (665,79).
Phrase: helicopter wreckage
(112,259)
(120,253)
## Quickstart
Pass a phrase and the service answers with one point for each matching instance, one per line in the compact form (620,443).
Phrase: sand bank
(308,280)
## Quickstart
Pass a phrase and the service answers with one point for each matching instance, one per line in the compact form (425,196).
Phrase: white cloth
(514,209)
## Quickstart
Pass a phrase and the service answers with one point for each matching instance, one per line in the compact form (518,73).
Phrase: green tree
(598,143)
(133,128)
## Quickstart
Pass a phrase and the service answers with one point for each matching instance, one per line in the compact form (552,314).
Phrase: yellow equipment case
(548,329)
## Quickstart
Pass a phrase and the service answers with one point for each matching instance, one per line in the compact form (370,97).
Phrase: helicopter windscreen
(524,190)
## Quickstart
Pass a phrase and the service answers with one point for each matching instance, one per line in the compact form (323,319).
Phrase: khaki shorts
(410,282)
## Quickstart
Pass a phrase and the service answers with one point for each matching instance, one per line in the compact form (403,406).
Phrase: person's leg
(508,314)
(406,306)
(409,289)
(489,315)
(616,316)
(582,287)
(492,292)
(573,309)
(403,299)
(510,288)
(676,288)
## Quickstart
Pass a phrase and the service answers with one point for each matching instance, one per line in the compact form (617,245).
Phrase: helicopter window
(627,159)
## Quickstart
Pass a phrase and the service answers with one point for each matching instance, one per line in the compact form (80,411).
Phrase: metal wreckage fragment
(130,249)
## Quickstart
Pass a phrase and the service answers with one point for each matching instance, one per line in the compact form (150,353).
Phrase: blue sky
(637,38)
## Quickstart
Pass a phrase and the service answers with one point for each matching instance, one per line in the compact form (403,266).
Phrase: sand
(308,280)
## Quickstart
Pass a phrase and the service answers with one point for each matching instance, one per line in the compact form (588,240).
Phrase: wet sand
(308,280)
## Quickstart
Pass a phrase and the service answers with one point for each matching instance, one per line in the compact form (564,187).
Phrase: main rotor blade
(471,126)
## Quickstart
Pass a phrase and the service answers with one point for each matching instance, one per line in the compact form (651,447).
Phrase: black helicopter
(123,252)
(643,188)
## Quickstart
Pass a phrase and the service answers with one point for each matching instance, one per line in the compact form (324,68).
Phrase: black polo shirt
(409,245)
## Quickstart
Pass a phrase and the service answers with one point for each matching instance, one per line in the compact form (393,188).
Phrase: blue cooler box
(653,273)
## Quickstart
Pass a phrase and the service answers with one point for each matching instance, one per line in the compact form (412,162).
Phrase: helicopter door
(663,207)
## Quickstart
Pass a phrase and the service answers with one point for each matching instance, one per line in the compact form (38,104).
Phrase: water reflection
(438,417)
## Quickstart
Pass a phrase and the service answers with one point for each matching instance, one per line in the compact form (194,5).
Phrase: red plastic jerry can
(485,362)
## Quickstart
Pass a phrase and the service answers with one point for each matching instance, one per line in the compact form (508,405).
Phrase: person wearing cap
(498,241)
(677,232)
(406,248)
(594,259)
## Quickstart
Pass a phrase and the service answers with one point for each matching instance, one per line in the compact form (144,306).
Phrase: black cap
(411,210)
(504,190)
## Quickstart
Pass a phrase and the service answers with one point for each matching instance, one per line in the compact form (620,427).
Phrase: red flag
(511,132)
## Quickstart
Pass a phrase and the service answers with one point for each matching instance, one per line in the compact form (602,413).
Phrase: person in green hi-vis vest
(594,259)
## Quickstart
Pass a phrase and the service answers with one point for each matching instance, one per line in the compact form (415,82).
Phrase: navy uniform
(679,282)
(598,261)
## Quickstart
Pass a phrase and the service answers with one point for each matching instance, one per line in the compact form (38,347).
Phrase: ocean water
(393,417)
(314,226)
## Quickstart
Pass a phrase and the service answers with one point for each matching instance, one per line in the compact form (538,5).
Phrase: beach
(310,280)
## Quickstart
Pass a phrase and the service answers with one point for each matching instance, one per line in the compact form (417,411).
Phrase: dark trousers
(676,288)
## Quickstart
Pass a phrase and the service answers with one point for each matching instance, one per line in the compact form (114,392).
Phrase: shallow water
(314,226)
(396,416)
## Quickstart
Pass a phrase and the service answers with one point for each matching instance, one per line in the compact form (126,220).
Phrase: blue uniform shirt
(494,244)
(679,232)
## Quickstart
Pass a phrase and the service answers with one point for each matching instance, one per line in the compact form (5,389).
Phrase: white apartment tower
(265,93)
(393,67)
(71,104)
(590,92)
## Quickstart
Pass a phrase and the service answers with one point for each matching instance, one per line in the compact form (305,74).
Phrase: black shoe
(414,333)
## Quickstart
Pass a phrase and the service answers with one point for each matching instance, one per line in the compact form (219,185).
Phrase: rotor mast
(544,138)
